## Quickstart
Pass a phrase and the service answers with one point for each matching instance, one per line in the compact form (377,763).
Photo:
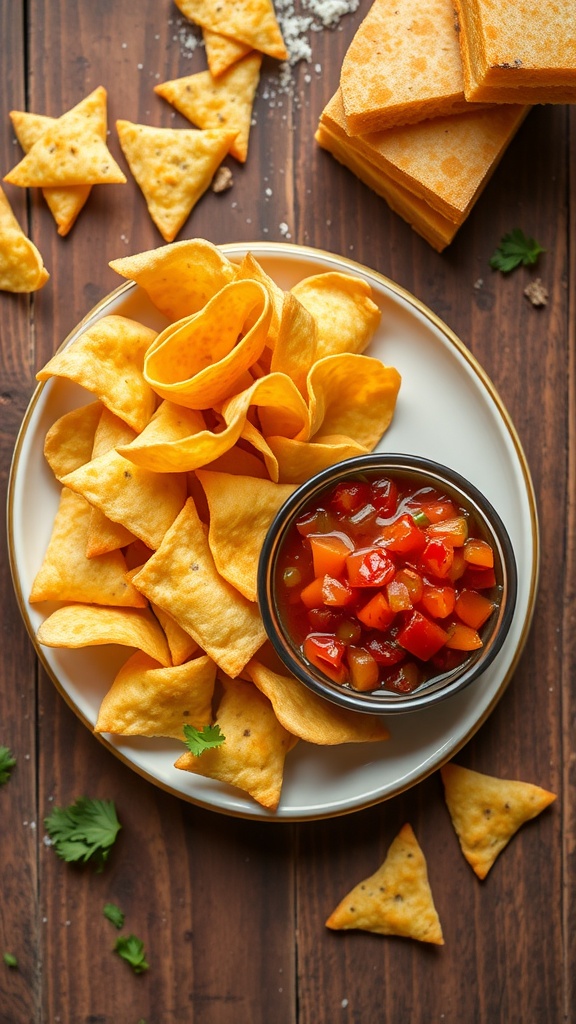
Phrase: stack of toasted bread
(430,97)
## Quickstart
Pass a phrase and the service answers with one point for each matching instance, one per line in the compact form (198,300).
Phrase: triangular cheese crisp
(64,203)
(248,21)
(72,150)
(487,811)
(173,167)
(225,102)
(222,51)
(21,266)
(396,899)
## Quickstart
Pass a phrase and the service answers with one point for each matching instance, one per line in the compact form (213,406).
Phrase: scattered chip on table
(21,265)
(487,811)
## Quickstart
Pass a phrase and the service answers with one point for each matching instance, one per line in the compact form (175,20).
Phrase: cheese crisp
(252,22)
(519,52)
(403,65)
(21,266)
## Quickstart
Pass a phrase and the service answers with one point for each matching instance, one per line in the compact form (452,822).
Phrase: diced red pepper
(369,567)
(403,536)
(404,679)
(421,637)
(479,579)
(454,530)
(350,496)
(385,496)
(384,651)
(413,583)
(311,596)
(436,511)
(336,593)
(376,614)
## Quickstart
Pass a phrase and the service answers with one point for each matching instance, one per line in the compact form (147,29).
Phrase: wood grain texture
(232,912)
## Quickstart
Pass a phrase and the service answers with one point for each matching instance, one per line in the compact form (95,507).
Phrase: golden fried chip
(255,746)
(21,266)
(103,534)
(296,345)
(178,278)
(248,21)
(297,461)
(85,625)
(181,577)
(250,269)
(67,575)
(148,699)
(173,167)
(224,102)
(222,51)
(185,452)
(239,462)
(353,395)
(308,716)
(241,510)
(107,359)
(70,440)
(64,203)
(339,299)
(203,359)
(487,811)
(71,151)
(396,899)
(182,645)
(144,502)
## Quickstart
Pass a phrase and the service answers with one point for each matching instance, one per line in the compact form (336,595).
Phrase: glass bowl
(280,582)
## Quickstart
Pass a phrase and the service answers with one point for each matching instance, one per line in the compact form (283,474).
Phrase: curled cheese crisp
(198,361)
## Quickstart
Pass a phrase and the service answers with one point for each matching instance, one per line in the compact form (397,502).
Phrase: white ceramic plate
(447,410)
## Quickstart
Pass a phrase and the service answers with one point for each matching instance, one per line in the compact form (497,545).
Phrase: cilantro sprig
(84,831)
(131,949)
(515,249)
(113,914)
(7,762)
(207,739)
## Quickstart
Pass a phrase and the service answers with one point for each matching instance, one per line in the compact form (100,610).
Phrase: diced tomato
(479,579)
(413,583)
(462,638)
(403,536)
(369,567)
(473,609)
(404,679)
(326,653)
(385,496)
(364,672)
(324,620)
(385,652)
(376,614)
(316,521)
(438,601)
(454,530)
(329,553)
(437,557)
(421,637)
(336,593)
(398,596)
(350,496)
(478,552)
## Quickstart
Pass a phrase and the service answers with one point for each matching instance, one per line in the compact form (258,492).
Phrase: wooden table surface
(232,911)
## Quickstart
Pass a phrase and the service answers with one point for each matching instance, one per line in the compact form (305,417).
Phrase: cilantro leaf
(7,762)
(514,249)
(197,742)
(86,830)
(114,914)
(131,949)
(10,960)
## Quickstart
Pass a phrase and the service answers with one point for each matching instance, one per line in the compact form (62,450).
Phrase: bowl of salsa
(387,583)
